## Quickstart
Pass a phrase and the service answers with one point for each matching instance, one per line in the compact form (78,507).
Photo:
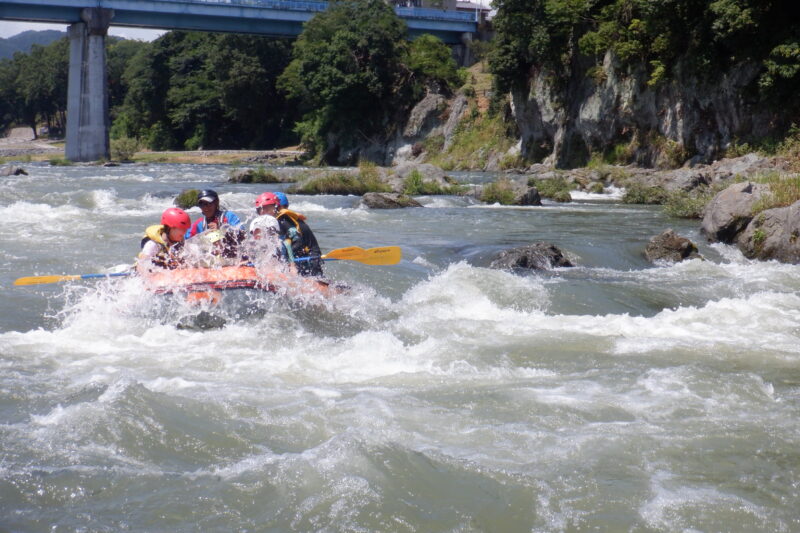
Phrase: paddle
(36,280)
(383,255)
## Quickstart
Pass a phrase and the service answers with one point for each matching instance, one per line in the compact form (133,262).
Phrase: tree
(432,62)
(347,74)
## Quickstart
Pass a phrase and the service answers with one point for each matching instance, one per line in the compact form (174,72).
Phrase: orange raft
(204,282)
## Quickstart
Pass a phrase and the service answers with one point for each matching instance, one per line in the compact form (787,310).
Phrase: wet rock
(537,256)
(773,234)
(669,246)
(201,321)
(13,171)
(530,197)
(391,200)
(730,211)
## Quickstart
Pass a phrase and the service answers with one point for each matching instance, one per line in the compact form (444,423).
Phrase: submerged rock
(669,246)
(202,321)
(537,256)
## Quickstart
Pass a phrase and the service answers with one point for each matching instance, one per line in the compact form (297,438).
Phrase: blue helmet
(282,199)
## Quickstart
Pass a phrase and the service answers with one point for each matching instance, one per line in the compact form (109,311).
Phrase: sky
(9,29)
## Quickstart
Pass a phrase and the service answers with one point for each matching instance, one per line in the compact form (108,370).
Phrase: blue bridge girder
(263,17)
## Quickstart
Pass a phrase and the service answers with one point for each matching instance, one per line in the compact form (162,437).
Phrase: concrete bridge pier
(87,90)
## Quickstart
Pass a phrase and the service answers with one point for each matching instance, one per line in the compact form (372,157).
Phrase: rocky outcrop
(665,125)
(537,256)
(670,247)
(391,200)
(773,234)
(530,197)
(731,211)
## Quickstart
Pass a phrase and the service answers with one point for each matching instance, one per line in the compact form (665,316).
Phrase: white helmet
(265,223)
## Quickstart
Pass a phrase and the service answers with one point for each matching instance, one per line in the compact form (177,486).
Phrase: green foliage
(499,192)
(478,136)
(415,185)
(551,188)
(187,198)
(701,37)
(562,196)
(192,90)
(639,193)
(689,204)
(340,184)
(783,191)
(759,236)
(124,148)
(513,161)
(431,61)
(346,73)
(60,162)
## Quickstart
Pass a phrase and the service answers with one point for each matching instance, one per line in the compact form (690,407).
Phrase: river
(438,395)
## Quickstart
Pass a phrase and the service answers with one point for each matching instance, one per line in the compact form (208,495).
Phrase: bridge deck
(266,17)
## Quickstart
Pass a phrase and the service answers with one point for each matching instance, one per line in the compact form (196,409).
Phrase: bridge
(87,105)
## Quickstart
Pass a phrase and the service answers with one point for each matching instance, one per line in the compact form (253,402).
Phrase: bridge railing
(295,5)
(435,14)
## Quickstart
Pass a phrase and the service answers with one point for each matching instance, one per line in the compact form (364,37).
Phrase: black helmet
(207,195)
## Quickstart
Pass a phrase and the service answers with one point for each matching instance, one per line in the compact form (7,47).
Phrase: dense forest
(352,76)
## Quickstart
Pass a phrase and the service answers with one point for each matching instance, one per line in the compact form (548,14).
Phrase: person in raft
(213,217)
(265,243)
(162,243)
(303,241)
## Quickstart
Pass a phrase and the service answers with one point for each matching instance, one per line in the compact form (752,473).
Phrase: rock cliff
(656,126)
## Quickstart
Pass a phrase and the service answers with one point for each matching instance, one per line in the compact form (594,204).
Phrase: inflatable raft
(209,281)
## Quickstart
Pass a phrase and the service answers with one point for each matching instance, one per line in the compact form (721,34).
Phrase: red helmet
(267,198)
(175,217)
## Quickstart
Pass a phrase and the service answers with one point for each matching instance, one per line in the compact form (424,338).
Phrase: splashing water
(436,395)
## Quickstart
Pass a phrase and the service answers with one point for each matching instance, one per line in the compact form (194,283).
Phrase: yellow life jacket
(155,233)
(294,216)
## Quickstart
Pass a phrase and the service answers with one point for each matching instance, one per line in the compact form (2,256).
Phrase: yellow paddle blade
(351,253)
(37,280)
(384,255)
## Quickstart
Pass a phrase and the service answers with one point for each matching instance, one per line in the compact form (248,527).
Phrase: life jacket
(155,233)
(221,218)
(295,217)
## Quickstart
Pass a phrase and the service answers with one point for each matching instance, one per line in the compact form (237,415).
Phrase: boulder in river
(13,171)
(669,246)
(537,256)
(388,200)
(773,234)
(731,211)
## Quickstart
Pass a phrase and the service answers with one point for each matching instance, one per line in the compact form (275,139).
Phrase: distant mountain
(22,42)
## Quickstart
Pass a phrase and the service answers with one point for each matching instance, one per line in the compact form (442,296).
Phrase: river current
(438,395)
